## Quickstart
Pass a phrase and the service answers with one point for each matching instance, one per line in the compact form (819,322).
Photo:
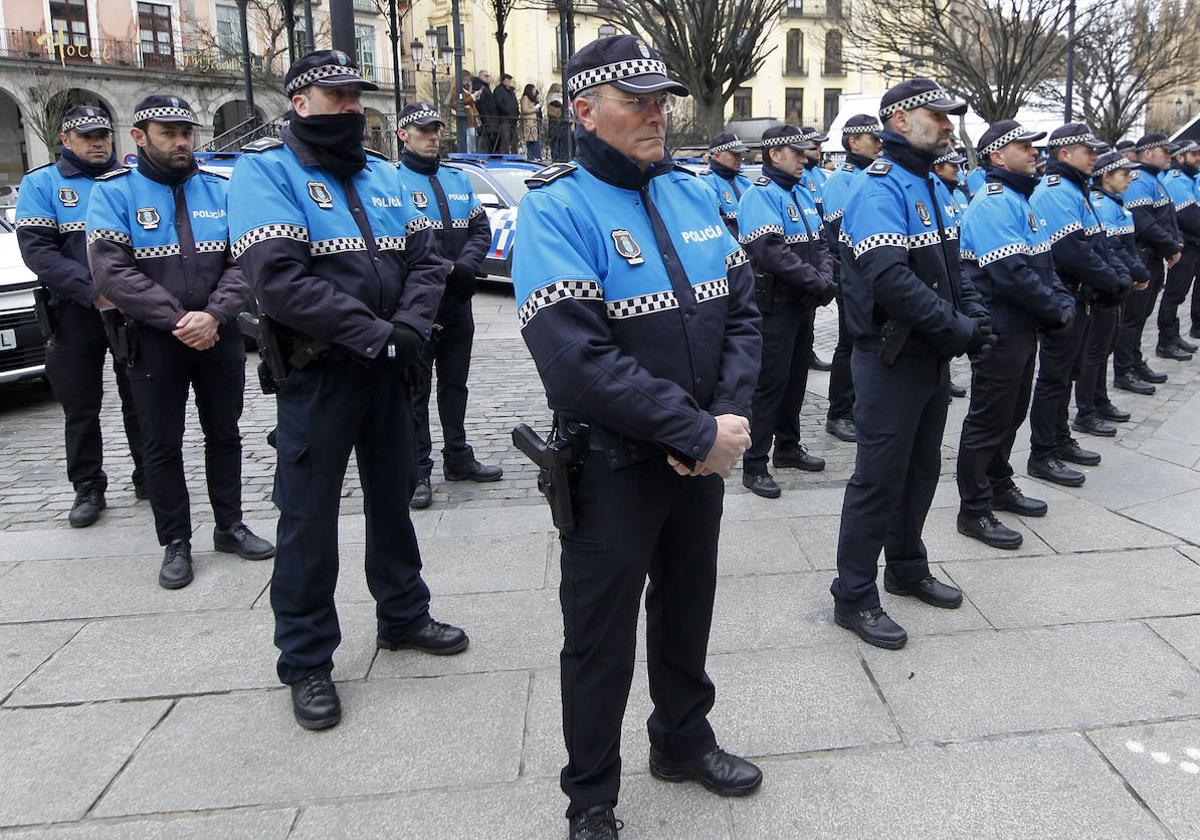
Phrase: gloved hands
(1066,318)
(827,295)
(982,338)
(405,356)
(461,282)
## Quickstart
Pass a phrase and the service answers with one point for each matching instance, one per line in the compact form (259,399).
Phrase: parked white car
(22,348)
(8,195)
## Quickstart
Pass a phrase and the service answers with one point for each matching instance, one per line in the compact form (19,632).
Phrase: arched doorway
(13,158)
(379,136)
(232,114)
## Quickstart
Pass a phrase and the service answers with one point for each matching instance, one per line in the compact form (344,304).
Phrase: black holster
(45,307)
(122,335)
(764,293)
(559,459)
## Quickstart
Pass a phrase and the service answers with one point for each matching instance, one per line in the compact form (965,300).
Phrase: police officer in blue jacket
(814,177)
(976,178)
(909,311)
(50,219)
(1006,256)
(947,167)
(860,139)
(783,235)
(1181,186)
(462,234)
(158,246)
(724,175)
(1128,150)
(347,269)
(638,308)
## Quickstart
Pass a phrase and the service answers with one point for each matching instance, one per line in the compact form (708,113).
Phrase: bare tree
(266,20)
(500,11)
(48,102)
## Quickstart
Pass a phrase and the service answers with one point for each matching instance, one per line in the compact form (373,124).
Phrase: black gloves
(461,282)
(405,356)
(826,296)
(982,337)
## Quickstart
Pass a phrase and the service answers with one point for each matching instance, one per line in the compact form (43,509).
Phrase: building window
(793,64)
(606,30)
(69,22)
(364,46)
(369,6)
(833,53)
(794,8)
(793,105)
(157,36)
(742,103)
(229,31)
(831,104)
(304,43)
(833,9)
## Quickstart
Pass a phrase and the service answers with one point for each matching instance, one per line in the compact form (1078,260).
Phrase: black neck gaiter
(897,147)
(722,171)
(92,170)
(170,177)
(613,167)
(336,141)
(424,165)
(783,179)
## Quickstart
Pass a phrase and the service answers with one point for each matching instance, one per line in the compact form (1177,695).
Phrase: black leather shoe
(798,458)
(176,571)
(761,484)
(596,823)
(139,491)
(1092,424)
(930,590)
(1132,384)
(1014,501)
(86,510)
(422,496)
(957,390)
(315,702)
(1112,414)
(431,637)
(817,363)
(1054,471)
(240,540)
(1186,346)
(989,530)
(873,627)
(1144,373)
(474,471)
(720,772)
(842,428)
(1172,352)
(1073,453)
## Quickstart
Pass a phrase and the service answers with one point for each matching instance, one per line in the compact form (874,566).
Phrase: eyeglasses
(664,102)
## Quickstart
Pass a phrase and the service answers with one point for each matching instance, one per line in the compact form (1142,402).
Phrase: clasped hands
(197,330)
(733,439)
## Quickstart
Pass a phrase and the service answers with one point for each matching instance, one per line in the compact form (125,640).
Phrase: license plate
(8,339)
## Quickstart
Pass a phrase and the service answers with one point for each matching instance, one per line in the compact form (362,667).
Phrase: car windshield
(512,181)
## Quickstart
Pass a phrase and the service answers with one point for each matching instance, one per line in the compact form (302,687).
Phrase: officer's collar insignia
(1052,180)
(923,212)
(1134,175)
(420,199)
(793,213)
(551,173)
(847,167)
(628,249)
(319,193)
(762,180)
(113,173)
(148,218)
(880,167)
(1175,173)
(1033,223)
(68,196)
(995,189)
(727,197)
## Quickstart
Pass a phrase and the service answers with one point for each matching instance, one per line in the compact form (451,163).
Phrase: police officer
(1081,259)
(784,237)
(724,175)
(346,267)
(50,220)
(1006,256)
(638,308)
(946,167)
(976,178)
(1181,186)
(910,312)
(1160,247)
(860,139)
(159,250)
(1128,150)
(1194,332)
(462,235)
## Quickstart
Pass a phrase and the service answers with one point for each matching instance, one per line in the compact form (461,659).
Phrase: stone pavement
(1062,701)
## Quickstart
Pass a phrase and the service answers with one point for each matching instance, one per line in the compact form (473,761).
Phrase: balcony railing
(833,68)
(815,9)
(795,68)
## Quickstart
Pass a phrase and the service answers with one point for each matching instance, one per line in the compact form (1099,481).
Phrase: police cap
(952,156)
(624,61)
(813,134)
(919,93)
(1125,145)
(1074,134)
(726,141)
(1187,146)
(1111,162)
(85,118)
(164,109)
(420,114)
(326,68)
(1153,141)
(1004,132)
(778,136)
(862,124)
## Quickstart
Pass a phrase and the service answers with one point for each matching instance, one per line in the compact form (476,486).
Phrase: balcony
(814,9)
(833,68)
(795,68)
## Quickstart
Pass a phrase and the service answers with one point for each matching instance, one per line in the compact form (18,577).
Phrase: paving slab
(1072,588)
(751,547)
(235,825)
(1179,516)
(1181,425)
(103,539)
(72,753)
(1181,633)
(1080,525)
(742,506)
(224,751)
(479,521)
(1161,762)
(1052,787)
(24,647)
(970,685)
(1136,482)
(1167,449)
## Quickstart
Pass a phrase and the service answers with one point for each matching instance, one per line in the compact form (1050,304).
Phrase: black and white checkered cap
(814,134)
(1004,132)
(1111,162)
(624,61)
(1153,141)
(786,135)
(726,141)
(952,156)
(326,68)
(85,118)
(862,124)
(919,93)
(419,114)
(164,109)
(1073,134)
(1186,146)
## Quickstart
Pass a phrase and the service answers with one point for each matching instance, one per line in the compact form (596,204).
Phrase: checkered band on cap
(1146,144)
(811,135)
(409,119)
(324,71)
(951,156)
(783,140)
(616,71)
(725,147)
(171,114)
(1071,140)
(1121,163)
(1003,140)
(914,101)
(96,122)
(870,128)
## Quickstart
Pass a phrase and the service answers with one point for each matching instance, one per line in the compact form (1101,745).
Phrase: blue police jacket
(730,186)
(635,302)
(960,200)
(833,206)
(784,236)
(1119,230)
(443,191)
(341,261)
(975,180)
(1147,199)
(1006,255)
(900,261)
(814,177)
(51,220)
(1182,189)
(1077,239)
(159,250)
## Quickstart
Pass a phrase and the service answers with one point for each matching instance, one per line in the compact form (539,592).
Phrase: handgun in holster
(272,364)
(892,338)
(764,293)
(559,459)
(122,335)
(45,308)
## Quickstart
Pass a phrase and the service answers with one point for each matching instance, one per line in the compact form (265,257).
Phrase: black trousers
(323,412)
(1059,363)
(841,379)
(1137,309)
(1091,388)
(165,370)
(787,340)
(1001,384)
(900,414)
(1175,290)
(787,419)
(75,369)
(451,352)
(633,523)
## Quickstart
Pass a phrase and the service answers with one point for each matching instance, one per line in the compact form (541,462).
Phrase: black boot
(315,702)
(1074,453)
(1144,373)
(431,637)
(989,530)
(816,363)
(1132,384)
(1111,413)
(88,503)
(797,457)
(176,571)
(1172,352)
(422,496)
(240,540)
(1092,424)
(1186,346)
(473,471)
(842,428)
(761,484)
(872,626)
(596,823)
(929,589)
(1055,471)
(957,390)
(1014,501)
(720,772)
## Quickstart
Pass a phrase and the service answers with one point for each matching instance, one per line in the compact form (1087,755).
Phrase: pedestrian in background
(531,122)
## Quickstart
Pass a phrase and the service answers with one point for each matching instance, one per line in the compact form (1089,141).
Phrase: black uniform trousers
(1059,363)
(632,523)
(1137,309)
(1001,385)
(841,379)
(787,418)
(160,379)
(900,415)
(1091,388)
(450,349)
(1175,290)
(75,368)
(323,412)
(786,332)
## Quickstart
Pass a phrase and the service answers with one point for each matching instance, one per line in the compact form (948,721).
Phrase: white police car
(22,348)
(499,182)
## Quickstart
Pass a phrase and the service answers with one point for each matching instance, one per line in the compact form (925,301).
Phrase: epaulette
(1175,173)
(115,173)
(880,167)
(549,175)
(762,181)
(684,170)
(374,153)
(262,144)
(36,168)
(220,175)
(995,189)
(1053,180)
(848,167)
(1135,174)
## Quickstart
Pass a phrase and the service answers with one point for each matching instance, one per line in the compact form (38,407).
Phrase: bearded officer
(725,176)
(638,308)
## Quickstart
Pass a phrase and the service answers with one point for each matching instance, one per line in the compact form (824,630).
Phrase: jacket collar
(1024,184)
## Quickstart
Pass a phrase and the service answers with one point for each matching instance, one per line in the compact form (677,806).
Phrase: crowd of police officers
(671,319)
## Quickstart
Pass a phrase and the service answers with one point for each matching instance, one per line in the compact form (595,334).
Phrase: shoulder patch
(1175,173)
(549,175)
(1053,180)
(762,181)
(848,167)
(374,153)
(683,170)
(995,189)
(1135,174)
(116,173)
(220,175)
(36,168)
(262,144)
(880,167)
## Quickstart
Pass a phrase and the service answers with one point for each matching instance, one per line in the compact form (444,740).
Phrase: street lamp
(440,56)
